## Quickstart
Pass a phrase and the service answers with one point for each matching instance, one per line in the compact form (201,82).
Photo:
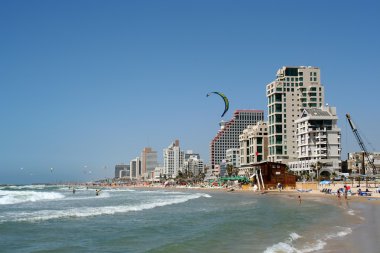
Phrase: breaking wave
(15,197)
(43,215)
(289,247)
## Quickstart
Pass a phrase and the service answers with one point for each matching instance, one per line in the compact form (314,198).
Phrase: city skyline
(87,85)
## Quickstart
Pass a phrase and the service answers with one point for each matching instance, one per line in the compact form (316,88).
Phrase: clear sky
(88,84)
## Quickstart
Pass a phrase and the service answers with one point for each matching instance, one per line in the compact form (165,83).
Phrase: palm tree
(230,169)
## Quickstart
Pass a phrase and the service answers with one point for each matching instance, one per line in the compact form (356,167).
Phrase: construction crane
(361,144)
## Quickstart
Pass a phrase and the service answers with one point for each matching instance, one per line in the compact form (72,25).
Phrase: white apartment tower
(254,144)
(228,135)
(318,141)
(295,89)
(173,160)
(135,168)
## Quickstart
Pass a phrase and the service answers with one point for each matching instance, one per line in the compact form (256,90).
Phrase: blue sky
(88,84)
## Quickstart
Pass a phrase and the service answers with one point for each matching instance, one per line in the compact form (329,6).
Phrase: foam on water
(15,197)
(286,246)
(43,215)
(23,187)
(319,244)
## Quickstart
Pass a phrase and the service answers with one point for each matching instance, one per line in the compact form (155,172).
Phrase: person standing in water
(73,190)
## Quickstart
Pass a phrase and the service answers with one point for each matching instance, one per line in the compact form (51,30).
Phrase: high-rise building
(135,168)
(228,135)
(318,142)
(173,159)
(294,89)
(254,144)
(148,162)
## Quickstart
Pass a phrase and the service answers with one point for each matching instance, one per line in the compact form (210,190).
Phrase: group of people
(343,191)
(97,191)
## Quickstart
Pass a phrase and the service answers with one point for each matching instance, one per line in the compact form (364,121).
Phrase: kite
(226,104)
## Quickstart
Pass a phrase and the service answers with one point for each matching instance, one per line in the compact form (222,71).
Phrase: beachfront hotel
(228,135)
(293,90)
(318,142)
(254,144)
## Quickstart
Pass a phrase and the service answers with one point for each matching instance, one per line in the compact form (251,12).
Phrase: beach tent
(324,182)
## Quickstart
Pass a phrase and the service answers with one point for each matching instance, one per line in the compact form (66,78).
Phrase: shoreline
(362,215)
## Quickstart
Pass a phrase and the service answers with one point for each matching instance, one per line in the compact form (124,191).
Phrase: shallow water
(46,218)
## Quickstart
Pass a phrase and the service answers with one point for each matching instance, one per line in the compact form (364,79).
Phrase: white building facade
(173,160)
(318,142)
(233,157)
(254,144)
(294,89)
(135,168)
(193,165)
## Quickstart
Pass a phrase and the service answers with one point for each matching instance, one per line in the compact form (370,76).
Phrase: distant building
(148,162)
(355,162)
(232,157)
(193,165)
(121,170)
(254,144)
(135,166)
(318,142)
(228,135)
(173,159)
(295,89)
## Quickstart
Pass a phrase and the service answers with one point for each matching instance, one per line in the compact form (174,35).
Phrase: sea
(51,218)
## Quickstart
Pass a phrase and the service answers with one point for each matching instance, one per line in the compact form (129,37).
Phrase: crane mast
(361,143)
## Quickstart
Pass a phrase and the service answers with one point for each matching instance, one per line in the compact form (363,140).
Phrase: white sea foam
(93,211)
(313,247)
(286,246)
(351,212)
(343,231)
(23,187)
(14,197)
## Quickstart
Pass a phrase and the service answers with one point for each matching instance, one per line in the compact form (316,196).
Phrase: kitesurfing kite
(226,104)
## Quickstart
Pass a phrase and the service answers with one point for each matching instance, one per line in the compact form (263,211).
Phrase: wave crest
(15,197)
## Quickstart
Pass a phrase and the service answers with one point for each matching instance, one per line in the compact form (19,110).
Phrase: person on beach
(299,199)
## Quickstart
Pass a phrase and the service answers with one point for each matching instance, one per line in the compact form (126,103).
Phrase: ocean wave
(15,197)
(286,246)
(23,187)
(44,215)
(319,244)
(342,231)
